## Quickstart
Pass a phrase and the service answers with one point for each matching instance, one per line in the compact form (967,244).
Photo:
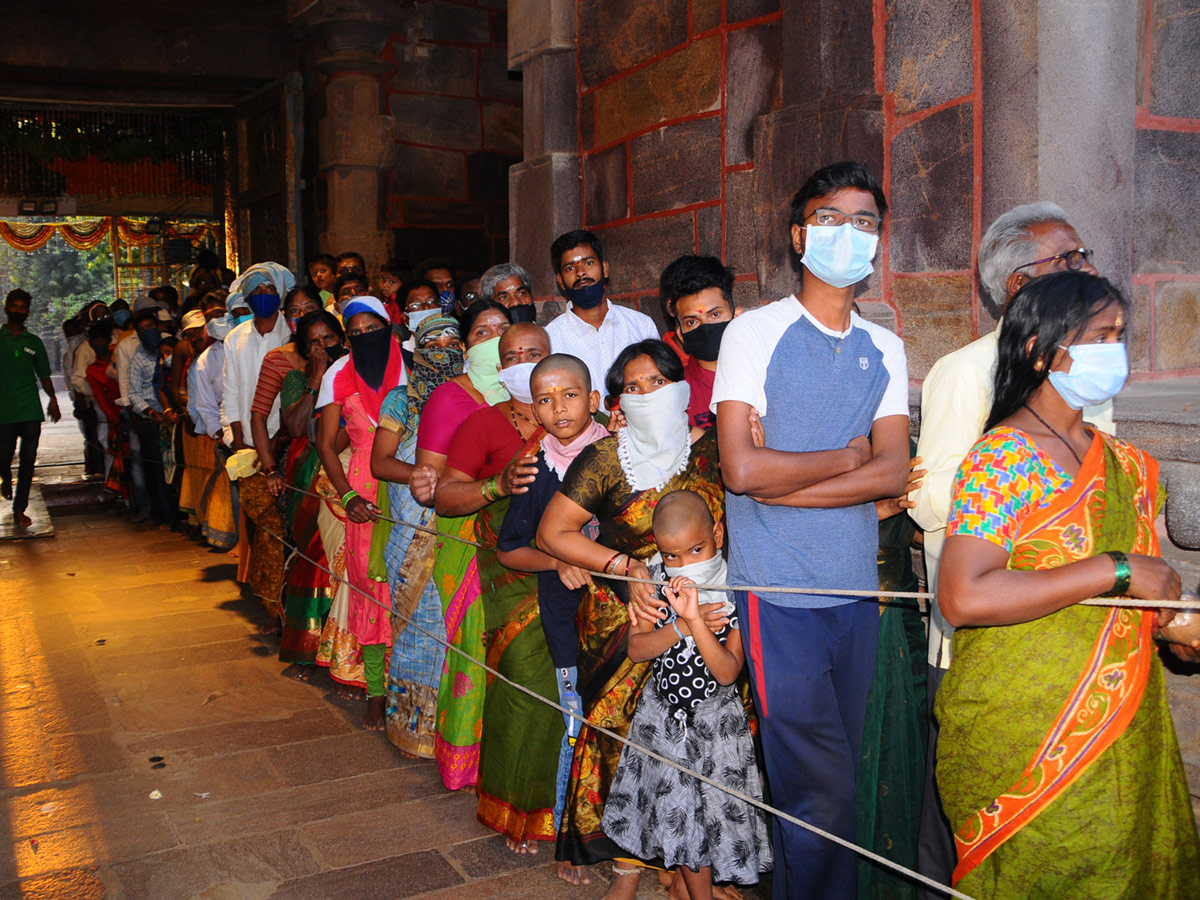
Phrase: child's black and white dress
(658,813)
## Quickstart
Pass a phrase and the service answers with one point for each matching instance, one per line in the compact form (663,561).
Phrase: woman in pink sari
(353,389)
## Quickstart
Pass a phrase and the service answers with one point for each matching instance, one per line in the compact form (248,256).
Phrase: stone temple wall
(456,114)
(675,126)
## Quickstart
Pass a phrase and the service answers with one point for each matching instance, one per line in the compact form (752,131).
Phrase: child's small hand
(681,594)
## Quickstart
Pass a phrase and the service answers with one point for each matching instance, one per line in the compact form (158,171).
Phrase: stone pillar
(544,190)
(831,111)
(1059,90)
(354,137)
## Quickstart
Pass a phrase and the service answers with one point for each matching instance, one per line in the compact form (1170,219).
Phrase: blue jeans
(137,478)
(567,750)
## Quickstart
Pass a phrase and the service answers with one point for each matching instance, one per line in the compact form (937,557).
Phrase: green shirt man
(23,364)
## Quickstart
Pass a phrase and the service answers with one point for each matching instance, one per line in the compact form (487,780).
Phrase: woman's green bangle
(491,489)
(348,496)
(1124,574)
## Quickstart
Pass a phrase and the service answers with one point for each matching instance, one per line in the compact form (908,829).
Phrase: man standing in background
(23,364)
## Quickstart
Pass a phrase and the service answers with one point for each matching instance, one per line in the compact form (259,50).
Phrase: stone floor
(131,664)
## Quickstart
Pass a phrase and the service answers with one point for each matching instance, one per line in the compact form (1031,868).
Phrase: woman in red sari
(1057,760)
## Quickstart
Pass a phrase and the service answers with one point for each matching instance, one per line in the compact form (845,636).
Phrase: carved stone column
(354,136)
(544,190)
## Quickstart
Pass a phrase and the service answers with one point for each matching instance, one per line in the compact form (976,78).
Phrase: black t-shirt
(557,604)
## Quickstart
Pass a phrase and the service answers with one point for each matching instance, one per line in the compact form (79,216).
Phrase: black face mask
(704,341)
(525,312)
(18,319)
(336,352)
(369,353)
(586,297)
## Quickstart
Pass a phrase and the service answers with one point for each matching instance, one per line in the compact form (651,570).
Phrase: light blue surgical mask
(238,320)
(1098,372)
(839,255)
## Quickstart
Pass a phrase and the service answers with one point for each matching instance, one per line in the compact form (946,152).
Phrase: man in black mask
(508,285)
(592,328)
(23,365)
(697,296)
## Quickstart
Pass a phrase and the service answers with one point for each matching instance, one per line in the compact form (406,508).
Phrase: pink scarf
(559,455)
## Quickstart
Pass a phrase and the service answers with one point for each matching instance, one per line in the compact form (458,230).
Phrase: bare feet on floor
(298,672)
(573,874)
(346,692)
(270,629)
(625,882)
(521,847)
(728,892)
(21,520)
(374,719)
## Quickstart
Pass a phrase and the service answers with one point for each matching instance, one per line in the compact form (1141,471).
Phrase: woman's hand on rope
(572,577)
(644,603)
(1152,579)
(423,483)
(275,483)
(360,510)
(517,476)
(1184,652)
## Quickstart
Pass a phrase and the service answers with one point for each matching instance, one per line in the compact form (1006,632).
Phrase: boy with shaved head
(563,403)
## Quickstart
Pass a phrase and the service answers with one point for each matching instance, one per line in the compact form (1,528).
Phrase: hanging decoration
(85,234)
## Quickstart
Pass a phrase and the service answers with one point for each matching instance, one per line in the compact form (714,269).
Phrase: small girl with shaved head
(690,712)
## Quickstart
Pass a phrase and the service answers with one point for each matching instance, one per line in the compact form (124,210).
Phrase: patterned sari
(307,592)
(461,689)
(609,683)
(406,558)
(1057,759)
(521,736)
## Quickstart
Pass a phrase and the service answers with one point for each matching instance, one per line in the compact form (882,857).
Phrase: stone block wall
(457,126)
(1166,252)
(668,100)
(694,129)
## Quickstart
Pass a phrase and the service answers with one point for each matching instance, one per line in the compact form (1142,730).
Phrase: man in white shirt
(1023,243)
(262,287)
(593,328)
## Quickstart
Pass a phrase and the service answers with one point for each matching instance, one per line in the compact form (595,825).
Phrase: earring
(1038,366)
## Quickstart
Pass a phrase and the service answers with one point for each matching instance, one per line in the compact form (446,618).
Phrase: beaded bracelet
(348,496)
(1124,575)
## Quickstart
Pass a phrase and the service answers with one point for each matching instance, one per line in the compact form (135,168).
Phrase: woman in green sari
(491,460)
(1058,763)
(455,572)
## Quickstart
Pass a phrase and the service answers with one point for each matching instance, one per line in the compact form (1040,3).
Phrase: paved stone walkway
(120,645)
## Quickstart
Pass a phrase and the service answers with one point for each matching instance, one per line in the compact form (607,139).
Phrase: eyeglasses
(860,221)
(1074,260)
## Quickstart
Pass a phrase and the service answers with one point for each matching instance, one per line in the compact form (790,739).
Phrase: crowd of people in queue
(419,478)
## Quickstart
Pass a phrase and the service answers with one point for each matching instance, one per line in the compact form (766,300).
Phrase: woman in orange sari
(1057,760)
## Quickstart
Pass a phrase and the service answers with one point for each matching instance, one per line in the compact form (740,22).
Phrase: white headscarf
(655,445)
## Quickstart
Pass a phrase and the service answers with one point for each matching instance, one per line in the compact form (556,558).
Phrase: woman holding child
(619,480)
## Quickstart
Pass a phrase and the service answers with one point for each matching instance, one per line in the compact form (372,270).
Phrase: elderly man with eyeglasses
(1022,244)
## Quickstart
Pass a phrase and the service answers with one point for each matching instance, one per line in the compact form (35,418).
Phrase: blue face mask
(263,305)
(1098,372)
(150,338)
(238,320)
(447,301)
(122,318)
(839,255)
